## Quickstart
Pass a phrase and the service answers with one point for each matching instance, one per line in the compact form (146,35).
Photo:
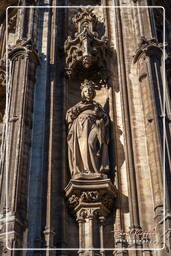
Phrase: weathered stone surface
(88,136)
(131,93)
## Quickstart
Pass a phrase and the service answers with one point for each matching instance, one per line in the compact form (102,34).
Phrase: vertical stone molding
(23,60)
(123,50)
(148,59)
(2,88)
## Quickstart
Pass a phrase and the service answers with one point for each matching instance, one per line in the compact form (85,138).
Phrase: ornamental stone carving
(90,196)
(91,201)
(24,48)
(86,53)
(147,47)
(88,136)
(87,193)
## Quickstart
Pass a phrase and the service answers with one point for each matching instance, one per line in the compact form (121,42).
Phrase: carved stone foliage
(147,47)
(86,53)
(91,193)
(88,213)
(91,197)
(86,197)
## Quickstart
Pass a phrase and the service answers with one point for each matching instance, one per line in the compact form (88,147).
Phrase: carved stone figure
(88,135)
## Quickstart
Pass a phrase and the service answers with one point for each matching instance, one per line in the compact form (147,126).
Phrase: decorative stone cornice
(147,47)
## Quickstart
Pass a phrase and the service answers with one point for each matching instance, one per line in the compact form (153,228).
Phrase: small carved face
(88,93)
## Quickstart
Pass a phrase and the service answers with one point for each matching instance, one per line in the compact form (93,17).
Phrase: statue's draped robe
(87,138)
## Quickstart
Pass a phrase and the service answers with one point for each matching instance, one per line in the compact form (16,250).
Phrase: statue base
(91,191)
(91,199)
(89,176)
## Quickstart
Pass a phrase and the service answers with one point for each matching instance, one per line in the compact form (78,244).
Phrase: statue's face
(88,93)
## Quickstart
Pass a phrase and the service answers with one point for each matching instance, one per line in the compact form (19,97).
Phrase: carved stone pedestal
(91,200)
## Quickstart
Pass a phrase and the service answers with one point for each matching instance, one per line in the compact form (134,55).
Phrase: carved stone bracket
(85,193)
(90,200)
(86,53)
(147,47)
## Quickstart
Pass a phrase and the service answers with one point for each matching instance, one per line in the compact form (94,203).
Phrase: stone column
(101,220)
(23,60)
(81,223)
(128,128)
(148,61)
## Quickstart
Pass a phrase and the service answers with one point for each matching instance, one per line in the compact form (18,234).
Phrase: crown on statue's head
(87,83)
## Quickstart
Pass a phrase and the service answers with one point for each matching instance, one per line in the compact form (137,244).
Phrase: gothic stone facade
(46,53)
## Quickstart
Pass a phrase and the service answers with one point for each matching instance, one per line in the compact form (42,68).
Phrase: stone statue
(88,135)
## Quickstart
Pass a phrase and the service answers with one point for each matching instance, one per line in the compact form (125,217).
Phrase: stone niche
(90,192)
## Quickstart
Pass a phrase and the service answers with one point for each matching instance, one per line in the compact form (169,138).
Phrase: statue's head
(88,90)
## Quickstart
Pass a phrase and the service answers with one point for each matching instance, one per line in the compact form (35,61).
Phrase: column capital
(148,47)
(24,48)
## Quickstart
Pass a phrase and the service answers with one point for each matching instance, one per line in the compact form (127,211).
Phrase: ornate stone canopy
(86,52)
